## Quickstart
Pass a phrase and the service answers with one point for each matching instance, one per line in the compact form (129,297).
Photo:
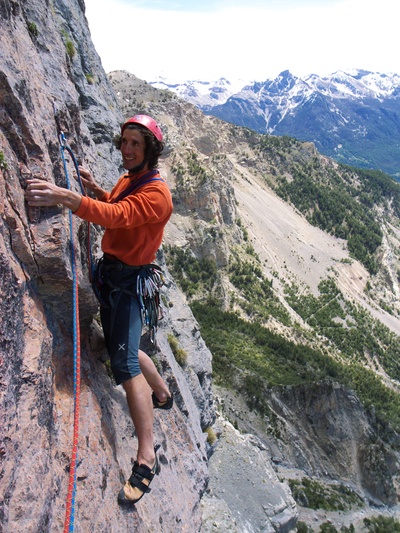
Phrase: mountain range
(353,117)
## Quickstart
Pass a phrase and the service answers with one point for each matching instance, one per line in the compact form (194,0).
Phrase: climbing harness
(70,503)
(149,280)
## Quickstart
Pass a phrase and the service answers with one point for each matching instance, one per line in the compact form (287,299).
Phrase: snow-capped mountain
(202,93)
(352,116)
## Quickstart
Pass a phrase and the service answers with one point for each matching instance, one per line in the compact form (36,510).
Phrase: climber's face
(133,148)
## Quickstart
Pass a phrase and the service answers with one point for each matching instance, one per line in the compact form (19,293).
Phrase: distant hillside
(290,264)
(353,117)
(240,196)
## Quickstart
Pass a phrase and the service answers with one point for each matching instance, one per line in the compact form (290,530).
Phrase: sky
(251,40)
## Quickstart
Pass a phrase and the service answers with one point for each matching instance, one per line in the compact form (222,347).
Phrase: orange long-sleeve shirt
(134,225)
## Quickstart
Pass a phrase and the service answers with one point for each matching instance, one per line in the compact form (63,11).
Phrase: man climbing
(134,215)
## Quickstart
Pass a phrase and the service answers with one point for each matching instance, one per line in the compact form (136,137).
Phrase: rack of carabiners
(149,282)
(70,502)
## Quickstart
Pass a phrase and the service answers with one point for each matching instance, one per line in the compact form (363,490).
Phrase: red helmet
(147,122)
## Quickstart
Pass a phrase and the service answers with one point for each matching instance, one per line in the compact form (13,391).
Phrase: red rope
(70,503)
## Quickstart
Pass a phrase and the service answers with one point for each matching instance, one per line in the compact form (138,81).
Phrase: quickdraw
(149,282)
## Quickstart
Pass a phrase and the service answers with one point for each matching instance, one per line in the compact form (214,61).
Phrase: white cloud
(249,43)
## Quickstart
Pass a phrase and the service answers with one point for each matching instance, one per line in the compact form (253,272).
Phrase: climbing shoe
(169,402)
(138,484)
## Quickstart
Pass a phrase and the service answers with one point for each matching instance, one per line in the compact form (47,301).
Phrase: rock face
(244,492)
(346,445)
(319,432)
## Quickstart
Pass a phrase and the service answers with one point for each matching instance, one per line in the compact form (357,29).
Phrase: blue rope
(70,504)
(75,317)
(64,146)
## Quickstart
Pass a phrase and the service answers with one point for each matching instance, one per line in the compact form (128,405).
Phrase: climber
(134,215)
